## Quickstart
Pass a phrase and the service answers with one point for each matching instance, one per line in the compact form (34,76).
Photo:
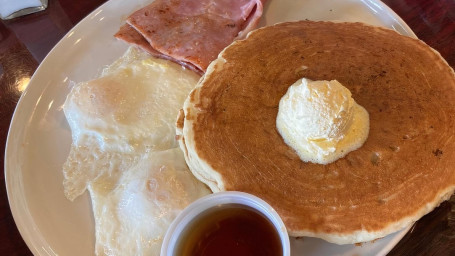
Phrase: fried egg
(131,109)
(121,108)
(133,213)
(125,153)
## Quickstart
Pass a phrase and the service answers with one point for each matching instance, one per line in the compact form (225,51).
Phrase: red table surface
(25,41)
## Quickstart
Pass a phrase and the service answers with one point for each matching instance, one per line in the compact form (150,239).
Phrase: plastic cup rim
(217,199)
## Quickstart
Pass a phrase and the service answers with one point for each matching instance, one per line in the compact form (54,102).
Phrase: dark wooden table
(25,41)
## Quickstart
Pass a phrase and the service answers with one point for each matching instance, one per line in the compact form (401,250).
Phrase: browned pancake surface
(407,161)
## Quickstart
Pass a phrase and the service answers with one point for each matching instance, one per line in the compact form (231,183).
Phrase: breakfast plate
(39,138)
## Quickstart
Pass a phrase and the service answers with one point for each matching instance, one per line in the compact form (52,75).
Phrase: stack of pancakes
(406,166)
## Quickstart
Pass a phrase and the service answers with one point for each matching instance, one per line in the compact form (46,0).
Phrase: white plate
(39,138)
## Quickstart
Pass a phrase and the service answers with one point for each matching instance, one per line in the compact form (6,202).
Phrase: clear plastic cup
(194,210)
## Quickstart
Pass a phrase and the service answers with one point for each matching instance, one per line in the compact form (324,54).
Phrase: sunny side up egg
(133,213)
(125,153)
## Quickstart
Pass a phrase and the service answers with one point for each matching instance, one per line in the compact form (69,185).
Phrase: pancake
(404,169)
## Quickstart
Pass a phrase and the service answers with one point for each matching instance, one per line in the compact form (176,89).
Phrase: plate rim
(26,224)
(34,242)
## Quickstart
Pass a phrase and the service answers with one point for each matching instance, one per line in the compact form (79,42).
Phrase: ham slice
(130,35)
(192,32)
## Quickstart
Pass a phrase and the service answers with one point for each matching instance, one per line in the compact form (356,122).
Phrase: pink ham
(190,31)
(130,35)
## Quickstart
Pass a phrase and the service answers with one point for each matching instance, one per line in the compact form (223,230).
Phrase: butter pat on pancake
(404,169)
(133,211)
(321,121)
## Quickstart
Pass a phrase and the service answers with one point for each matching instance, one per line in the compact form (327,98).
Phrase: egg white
(132,213)
(128,111)
(125,153)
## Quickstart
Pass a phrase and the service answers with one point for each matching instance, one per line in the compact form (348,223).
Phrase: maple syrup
(230,229)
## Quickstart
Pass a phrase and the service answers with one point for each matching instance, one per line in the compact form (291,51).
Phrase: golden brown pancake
(405,168)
